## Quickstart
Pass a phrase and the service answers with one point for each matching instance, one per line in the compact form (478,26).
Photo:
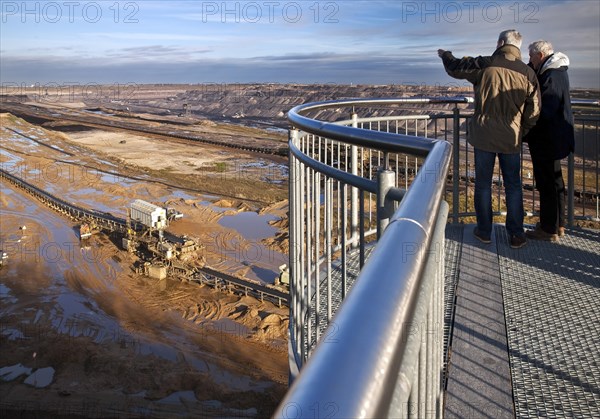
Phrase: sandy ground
(136,347)
(84,168)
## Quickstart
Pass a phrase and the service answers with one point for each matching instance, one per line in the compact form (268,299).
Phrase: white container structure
(149,214)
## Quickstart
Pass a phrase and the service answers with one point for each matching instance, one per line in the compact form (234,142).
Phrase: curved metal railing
(344,183)
(346,178)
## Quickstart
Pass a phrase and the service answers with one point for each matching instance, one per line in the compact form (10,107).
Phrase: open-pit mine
(144,244)
(143,260)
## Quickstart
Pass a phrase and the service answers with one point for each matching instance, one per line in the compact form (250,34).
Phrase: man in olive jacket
(507,106)
(552,138)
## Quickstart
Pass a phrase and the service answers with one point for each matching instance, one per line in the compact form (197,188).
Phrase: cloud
(146,36)
(156,52)
(311,57)
(371,42)
(315,68)
(176,64)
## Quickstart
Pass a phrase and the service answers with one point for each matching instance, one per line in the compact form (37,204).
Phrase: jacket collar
(510,51)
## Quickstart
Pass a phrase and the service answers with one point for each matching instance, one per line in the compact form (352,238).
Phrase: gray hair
(511,37)
(542,46)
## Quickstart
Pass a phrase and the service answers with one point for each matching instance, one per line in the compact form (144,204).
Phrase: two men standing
(507,106)
(510,108)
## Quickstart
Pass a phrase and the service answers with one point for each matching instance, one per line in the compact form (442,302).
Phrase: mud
(121,344)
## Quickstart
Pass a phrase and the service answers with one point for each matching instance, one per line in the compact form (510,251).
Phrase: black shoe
(518,241)
(481,237)
(560,232)
(539,234)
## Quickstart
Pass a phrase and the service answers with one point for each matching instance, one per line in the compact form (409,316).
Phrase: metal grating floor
(317,321)
(453,250)
(551,294)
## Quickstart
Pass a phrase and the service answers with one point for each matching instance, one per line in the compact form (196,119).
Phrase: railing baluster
(456,164)
(343,244)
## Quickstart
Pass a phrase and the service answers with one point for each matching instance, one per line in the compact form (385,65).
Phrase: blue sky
(374,42)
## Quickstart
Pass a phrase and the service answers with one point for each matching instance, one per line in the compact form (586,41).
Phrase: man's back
(506,97)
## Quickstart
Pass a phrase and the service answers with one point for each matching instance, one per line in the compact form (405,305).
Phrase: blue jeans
(510,165)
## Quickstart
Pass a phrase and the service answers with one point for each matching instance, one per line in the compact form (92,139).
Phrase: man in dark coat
(552,138)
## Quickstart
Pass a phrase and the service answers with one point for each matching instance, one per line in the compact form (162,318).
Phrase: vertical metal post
(308,254)
(413,398)
(293,257)
(441,255)
(344,242)
(385,206)
(455,164)
(328,243)
(571,190)
(361,229)
(316,268)
(406,172)
(295,265)
(421,373)
(354,191)
(430,349)
(304,256)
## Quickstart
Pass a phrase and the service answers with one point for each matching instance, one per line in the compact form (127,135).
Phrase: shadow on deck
(524,326)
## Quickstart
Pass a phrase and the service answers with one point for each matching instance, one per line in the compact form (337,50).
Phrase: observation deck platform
(524,326)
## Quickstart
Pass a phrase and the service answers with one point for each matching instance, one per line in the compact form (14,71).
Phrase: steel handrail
(365,377)
(369,371)
(383,141)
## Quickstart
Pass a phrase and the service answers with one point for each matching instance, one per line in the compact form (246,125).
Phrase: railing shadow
(551,293)
(567,258)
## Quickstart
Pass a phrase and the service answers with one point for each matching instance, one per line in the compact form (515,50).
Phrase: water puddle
(40,378)
(6,295)
(265,275)
(250,225)
(17,140)
(9,373)
(183,195)
(98,206)
(214,208)
(32,142)
(98,112)
(106,162)
(10,161)
(74,305)
(178,397)
(12,334)
(269,172)
(279,130)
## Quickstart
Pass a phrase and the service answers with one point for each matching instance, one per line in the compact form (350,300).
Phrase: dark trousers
(549,182)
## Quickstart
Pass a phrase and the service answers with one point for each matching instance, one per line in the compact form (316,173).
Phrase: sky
(278,41)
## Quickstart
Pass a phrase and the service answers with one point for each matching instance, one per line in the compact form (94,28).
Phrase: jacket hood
(556,60)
